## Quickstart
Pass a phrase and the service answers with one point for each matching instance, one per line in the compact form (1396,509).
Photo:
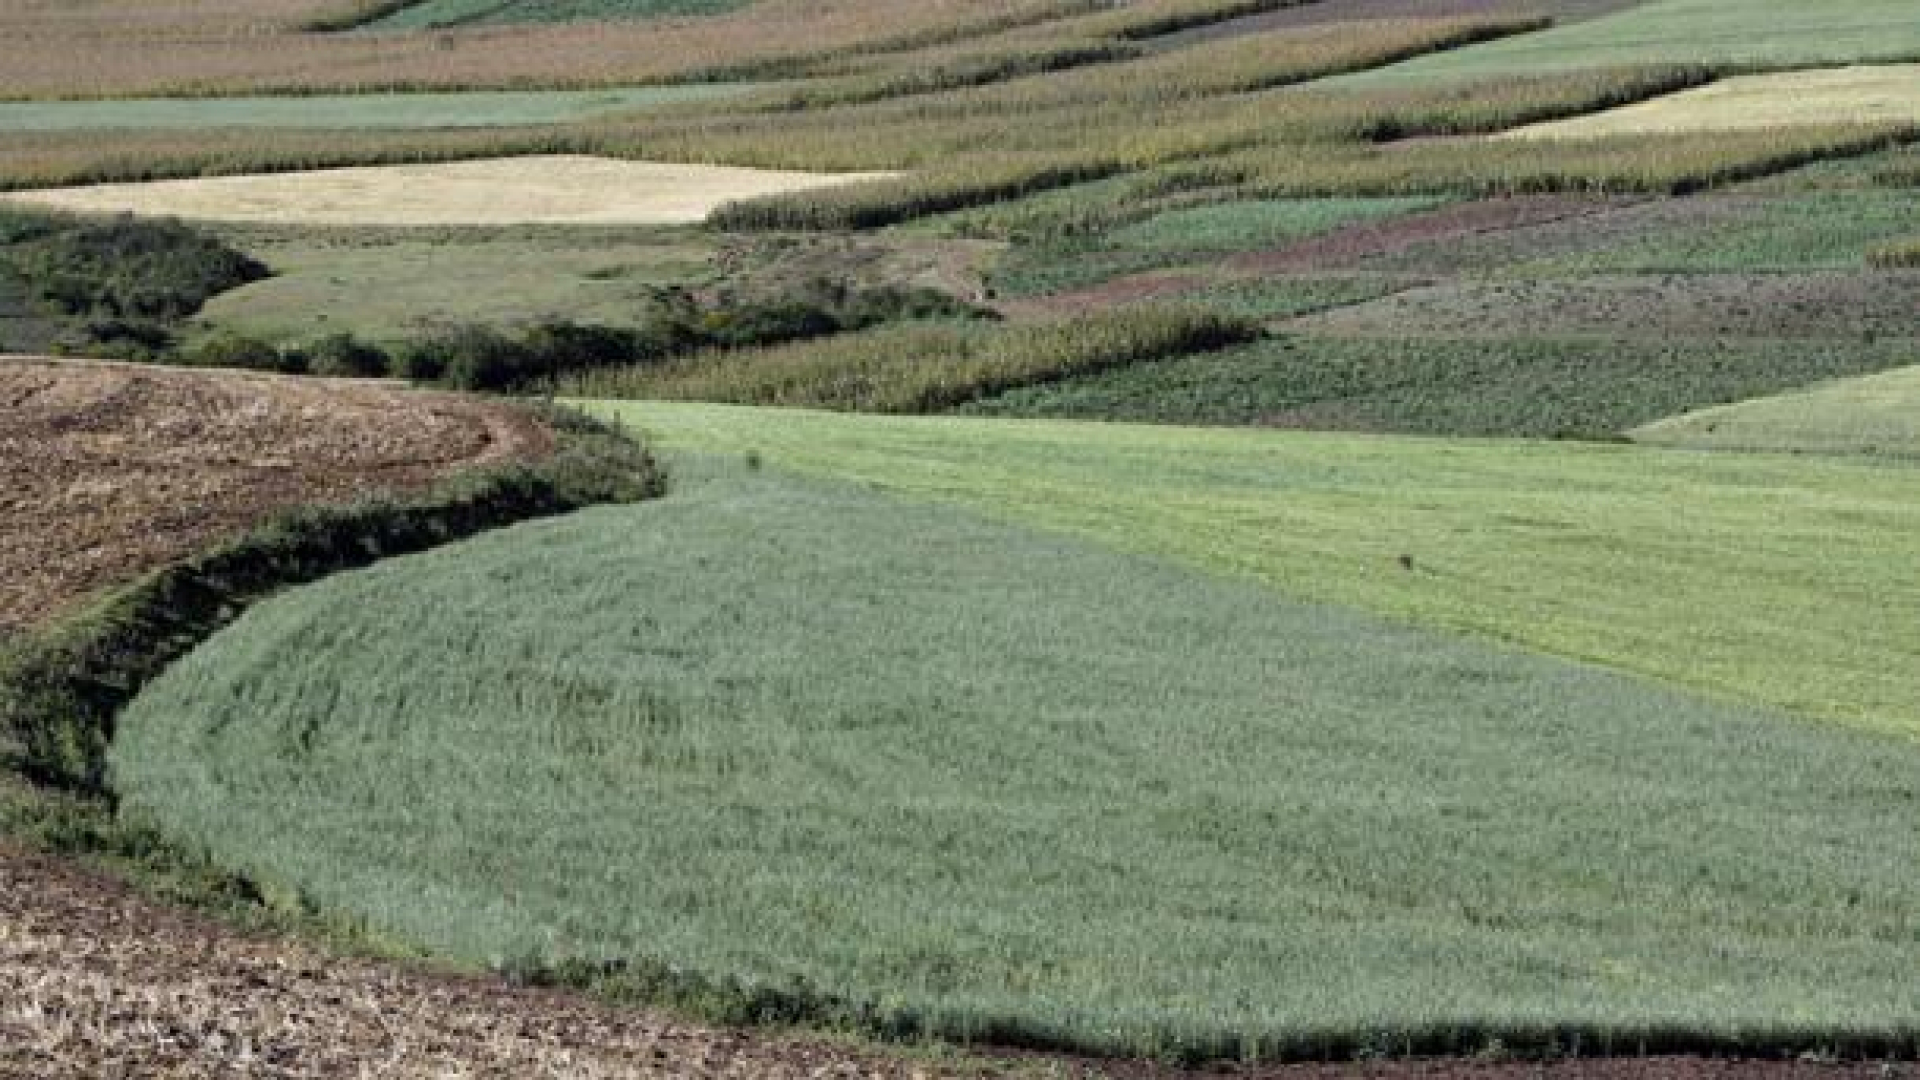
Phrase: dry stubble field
(544,190)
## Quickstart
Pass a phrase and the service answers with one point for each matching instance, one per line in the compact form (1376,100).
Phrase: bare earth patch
(1867,94)
(556,189)
(95,981)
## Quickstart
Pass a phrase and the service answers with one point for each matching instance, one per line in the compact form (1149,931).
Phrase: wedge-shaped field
(1851,95)
(977,780)
(1737,33)
(541,190)
(1715,571)
(1876,415)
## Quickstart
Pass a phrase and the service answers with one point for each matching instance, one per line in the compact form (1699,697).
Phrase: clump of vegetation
(1902,255)
(230,350)
(926,366)
(345,356)
(123,285)
(542,354)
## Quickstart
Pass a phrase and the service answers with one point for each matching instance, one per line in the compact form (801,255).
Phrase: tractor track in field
(108,470)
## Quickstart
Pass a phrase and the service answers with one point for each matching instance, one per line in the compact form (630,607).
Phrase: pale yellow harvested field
(548,190)
(1848,95)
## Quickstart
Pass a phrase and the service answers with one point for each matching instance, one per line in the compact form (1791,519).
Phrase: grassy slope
(389,284)
(1592,388)
(431,13)
(1714,571)
(1016,784)
(1746,33)
(481,108)
(1874,415)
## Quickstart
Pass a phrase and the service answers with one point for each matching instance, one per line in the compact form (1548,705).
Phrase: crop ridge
(62,688)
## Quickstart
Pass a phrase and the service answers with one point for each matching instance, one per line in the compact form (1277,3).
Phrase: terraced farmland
(1393,538)
(1735,33)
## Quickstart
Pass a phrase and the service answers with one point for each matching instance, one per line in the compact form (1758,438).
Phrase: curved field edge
(1873,415)
(1571,549)
(1015,815)
(61,689)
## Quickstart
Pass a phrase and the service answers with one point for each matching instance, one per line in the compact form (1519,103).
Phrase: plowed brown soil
(107,470)
(97,982)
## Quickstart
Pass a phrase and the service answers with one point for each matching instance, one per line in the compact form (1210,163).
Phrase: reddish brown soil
(1355,247)
(1543,236)
(1352,247)
(107,470)
(1332,11)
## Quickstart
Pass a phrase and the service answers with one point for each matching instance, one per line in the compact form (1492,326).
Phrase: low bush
(230,350)
(1903,255)
(487,359)
(345,356)
(119,287)
(157,271)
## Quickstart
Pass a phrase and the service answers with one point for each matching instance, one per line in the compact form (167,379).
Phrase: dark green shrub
(229,350)
(555,347)
(345,356)
(156,271)
(131,338)
(484,359)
